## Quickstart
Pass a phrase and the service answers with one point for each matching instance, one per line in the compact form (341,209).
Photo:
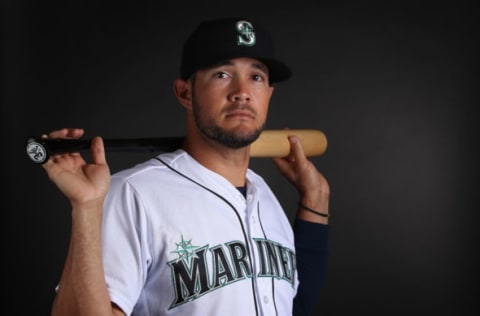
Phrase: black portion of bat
(40,149)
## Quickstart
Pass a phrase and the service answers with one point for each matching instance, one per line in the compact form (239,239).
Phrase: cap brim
(277,70)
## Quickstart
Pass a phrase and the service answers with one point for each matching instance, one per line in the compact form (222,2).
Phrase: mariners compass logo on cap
(246,34)
(219,40)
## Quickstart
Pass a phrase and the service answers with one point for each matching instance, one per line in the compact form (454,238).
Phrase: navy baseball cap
(214,41)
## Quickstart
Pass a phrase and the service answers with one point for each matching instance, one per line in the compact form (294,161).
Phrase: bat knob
(36,151)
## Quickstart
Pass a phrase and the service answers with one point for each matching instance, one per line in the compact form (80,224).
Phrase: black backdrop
(392,86)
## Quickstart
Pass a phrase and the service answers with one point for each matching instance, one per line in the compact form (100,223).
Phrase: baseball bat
(270,143)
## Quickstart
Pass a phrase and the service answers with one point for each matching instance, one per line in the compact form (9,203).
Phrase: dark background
(393,86)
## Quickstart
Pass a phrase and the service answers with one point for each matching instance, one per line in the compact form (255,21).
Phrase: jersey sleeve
(125,250)
(311,244)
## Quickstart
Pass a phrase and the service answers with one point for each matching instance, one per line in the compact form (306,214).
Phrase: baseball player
(195,231)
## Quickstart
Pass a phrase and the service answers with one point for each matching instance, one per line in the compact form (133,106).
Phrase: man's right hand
(79,181)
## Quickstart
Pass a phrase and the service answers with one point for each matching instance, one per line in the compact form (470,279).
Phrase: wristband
(312,210)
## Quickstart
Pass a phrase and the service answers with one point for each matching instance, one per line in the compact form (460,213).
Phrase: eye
(259,77)
(220,75)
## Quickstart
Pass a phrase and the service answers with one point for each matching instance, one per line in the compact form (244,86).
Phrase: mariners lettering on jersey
(199,270)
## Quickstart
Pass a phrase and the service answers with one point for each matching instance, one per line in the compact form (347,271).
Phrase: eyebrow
(257,65)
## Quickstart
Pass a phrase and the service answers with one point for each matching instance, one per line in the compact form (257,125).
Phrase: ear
(183,92)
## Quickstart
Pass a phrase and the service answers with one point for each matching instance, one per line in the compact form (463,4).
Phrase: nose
(240,91)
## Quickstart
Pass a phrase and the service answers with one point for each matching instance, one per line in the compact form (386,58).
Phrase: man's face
(230,101)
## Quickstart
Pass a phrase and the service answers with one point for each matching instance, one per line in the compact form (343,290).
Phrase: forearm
(314,207)
(82,289)
(311,243)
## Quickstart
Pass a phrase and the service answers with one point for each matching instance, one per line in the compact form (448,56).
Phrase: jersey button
(265,299)
(253,219)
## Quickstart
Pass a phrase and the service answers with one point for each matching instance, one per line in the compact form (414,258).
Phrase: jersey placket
(255,231)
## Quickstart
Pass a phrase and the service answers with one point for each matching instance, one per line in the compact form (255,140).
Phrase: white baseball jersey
(180,239)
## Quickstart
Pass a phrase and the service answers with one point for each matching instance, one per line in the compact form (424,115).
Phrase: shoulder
(151,168)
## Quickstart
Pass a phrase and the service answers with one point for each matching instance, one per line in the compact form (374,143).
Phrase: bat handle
(39,149)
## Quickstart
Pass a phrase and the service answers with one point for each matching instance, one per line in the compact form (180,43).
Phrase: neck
(230,163)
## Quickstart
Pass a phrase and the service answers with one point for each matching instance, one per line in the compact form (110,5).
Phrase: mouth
(239,111)
(240,114)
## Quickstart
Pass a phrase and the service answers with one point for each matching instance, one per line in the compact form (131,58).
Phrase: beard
(232,139)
